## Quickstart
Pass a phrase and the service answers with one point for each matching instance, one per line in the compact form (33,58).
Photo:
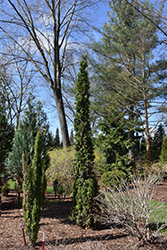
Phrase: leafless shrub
(131,206)
(71,244)
(80,246)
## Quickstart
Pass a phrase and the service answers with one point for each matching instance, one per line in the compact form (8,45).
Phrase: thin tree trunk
(131,152)
(148,145)
(19,191)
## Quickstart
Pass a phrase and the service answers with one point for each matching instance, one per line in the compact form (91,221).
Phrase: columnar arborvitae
(85,186)
(34,188)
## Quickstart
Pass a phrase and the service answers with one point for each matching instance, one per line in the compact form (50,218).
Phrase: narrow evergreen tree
(50,140)
(34,188)
(157,142)
(57,139)
(85,186)
(24,139)
(72,137)
(164,150)
(113,141)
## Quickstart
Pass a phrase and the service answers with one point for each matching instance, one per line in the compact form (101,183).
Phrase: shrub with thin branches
(132,205)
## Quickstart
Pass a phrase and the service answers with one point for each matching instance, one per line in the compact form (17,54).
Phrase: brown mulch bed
(61,233)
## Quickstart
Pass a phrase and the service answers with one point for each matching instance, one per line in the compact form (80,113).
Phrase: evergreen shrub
(113,178)
(85,186)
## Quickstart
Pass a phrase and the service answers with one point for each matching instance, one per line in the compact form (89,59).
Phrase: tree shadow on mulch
(11,201)
(69,241)
(57,210)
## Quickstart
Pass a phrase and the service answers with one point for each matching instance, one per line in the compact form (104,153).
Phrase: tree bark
(148,145)
(62,118)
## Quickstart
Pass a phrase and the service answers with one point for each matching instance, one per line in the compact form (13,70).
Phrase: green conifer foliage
(6,132)
(34,188)
(85,186)
(72,137)
(164,150)
(157,142)
(6,137)
(24,139)
(57,139)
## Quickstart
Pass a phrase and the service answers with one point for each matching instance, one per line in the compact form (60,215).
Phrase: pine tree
(85,186)
(34,187)
(126,75)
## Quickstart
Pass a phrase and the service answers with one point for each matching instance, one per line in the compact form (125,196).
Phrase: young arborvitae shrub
(132,205)
(85,186)
(34,188)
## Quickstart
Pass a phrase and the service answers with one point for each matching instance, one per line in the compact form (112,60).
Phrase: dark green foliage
(85,186)
(6,137)
(5,189)
(114,143)
(34,117)
(72,137)
(60,188)
(157,142)
(34,188)
(164,150)
(57,139)
(6,134)
(57,187)
(113,178)
(50,140)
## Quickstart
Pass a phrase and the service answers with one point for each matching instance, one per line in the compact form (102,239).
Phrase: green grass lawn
(50,190)
(12,184)
(160,215)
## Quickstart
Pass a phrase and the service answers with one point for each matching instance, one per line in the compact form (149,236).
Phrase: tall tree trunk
(148,145)
(56,85)
(62,118)
(131,152)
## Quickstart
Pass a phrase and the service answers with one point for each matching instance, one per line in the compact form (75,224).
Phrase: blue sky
(51,112)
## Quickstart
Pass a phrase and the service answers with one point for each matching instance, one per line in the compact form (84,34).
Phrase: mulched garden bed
(61,232)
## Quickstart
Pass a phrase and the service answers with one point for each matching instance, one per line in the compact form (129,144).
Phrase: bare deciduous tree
(17,86)
(46,33)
